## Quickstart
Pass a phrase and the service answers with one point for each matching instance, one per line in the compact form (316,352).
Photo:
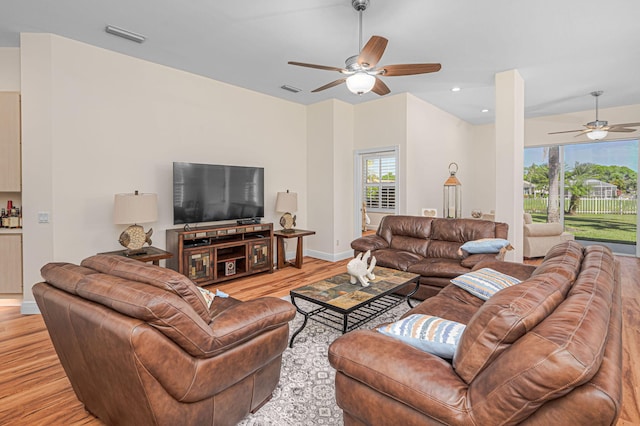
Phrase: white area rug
(306,393)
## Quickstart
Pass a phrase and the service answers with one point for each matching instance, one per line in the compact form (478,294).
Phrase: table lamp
(287,202)
(132,209)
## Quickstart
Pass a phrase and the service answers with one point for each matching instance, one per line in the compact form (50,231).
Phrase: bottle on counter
(4,219)
(14,219)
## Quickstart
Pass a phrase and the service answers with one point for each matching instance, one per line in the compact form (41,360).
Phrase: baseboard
(329,257)
(29,307)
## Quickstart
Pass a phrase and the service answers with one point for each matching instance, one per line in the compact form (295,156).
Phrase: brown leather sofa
(547,351)
(140,346)
(429,246)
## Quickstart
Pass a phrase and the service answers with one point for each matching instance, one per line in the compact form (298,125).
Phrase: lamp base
(288,221)
(134,238)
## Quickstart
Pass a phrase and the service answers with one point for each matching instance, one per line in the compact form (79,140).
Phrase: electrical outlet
(337,242)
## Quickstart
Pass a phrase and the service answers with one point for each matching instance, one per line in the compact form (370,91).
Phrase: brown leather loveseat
(430,247)
(547,351)
(140,346)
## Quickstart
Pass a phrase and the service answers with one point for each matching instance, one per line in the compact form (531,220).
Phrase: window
(379,181)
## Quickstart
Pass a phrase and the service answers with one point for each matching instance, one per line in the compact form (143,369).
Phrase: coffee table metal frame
(346,320)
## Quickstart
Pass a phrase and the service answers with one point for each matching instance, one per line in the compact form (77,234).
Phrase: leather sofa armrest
(369,242)
(517,270)
(419,379)
(243,321)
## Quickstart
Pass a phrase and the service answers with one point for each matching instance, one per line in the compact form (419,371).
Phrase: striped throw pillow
(428,333)
(484,282)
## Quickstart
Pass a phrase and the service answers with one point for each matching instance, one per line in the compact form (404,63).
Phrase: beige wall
(435,139)
(330,179)
(110,123)
(10,69)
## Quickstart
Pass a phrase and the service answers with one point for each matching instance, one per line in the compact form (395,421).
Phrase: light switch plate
(43,217)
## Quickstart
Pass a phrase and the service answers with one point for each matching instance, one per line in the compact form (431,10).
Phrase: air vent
(290,88)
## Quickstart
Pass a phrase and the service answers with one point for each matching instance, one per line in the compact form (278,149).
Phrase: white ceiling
(563,49)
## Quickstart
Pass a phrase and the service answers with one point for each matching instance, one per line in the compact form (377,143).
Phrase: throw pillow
(428,333)
(485,245)
(484,282)
(208,296)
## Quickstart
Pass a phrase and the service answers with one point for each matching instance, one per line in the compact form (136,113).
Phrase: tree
(553,208)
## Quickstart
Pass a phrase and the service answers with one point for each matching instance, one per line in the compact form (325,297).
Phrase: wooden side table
(153,254)
(281,235)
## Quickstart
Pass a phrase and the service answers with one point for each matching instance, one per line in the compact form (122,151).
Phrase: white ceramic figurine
(358,270)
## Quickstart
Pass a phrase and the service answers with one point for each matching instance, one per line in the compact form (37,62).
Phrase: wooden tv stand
(213,254)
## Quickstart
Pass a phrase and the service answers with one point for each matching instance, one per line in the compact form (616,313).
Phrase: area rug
(305,394)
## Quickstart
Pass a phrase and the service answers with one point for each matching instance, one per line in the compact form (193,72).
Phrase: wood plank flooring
(34,389)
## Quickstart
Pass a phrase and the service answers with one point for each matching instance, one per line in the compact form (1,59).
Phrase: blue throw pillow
(428,333)
(484,282)
(486,245)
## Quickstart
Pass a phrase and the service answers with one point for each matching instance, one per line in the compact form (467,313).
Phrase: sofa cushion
(438,267)
(564,259)
(444,250)
(462,230)
(426,332)
(65,276)
(396,259)
(163,278)
(504,318)
(485,282)
(452,303)
(172,316)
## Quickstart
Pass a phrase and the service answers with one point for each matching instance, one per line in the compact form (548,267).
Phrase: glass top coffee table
(345,306)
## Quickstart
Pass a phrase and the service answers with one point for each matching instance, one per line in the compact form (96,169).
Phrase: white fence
(588,205)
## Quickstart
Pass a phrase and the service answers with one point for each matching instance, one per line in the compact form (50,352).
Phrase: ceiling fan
(598,129)
(361,74)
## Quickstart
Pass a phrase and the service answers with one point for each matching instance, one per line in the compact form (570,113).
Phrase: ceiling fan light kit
(360,83)
(360,70)
(599,129)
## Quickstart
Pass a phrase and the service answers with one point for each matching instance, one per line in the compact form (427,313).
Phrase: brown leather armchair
(141,347)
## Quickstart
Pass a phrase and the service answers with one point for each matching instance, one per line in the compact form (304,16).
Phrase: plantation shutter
(379,177)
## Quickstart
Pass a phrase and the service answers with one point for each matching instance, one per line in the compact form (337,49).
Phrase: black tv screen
(209,193)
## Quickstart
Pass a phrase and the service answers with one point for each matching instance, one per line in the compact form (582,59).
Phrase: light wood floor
(35,391)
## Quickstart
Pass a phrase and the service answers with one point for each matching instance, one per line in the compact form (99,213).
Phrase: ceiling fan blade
(409,69)
(622,129)
(567,131)
(320,67)
(372,51)
(380,88)
(625,125)
(330,85)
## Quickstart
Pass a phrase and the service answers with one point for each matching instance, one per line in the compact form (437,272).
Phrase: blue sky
(617,153)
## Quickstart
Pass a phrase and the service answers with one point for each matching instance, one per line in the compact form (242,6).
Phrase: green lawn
(601,227)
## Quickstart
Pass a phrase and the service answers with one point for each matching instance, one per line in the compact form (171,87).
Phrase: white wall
(330,179)
(96,123)
(435,139)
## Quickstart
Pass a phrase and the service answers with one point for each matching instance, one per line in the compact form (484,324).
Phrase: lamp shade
(135,208)
(360,83)
(287,202)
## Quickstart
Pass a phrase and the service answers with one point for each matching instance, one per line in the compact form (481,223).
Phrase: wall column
(510,156)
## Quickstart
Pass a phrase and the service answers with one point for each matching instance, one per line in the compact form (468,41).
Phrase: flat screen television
(210,193)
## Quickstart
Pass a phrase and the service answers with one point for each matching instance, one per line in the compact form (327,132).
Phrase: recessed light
(485,110)
(455,89)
